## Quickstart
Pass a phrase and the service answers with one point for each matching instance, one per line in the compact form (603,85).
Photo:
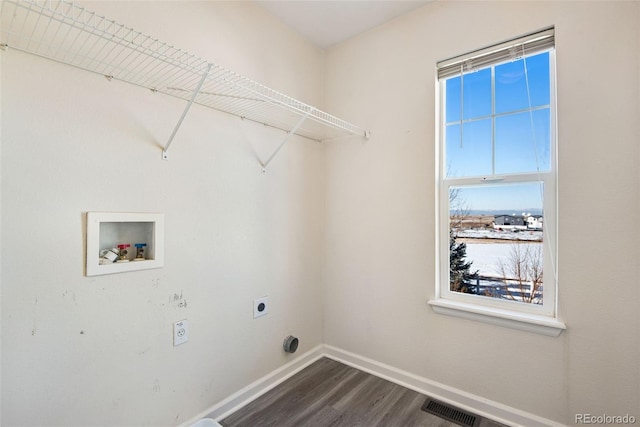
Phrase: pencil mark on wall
(156,386)
(178,300)
(116,402)
(34,325)
(70,294)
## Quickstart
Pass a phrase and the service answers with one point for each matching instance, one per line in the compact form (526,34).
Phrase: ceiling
(327,22)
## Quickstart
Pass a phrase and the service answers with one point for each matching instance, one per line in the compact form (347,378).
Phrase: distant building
(534,222)
(518,222)
(509,222)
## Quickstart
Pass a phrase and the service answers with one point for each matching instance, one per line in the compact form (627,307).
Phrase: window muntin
(498,156)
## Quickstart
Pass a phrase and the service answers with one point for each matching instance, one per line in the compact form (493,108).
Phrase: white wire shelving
(64,32)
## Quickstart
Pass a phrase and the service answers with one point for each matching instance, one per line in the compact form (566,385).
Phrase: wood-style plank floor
(330,394)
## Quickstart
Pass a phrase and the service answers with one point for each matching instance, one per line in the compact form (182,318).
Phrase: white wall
(81,351)
(380,242)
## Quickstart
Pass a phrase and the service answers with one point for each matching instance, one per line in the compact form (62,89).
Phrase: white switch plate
(180,332)
(260,307)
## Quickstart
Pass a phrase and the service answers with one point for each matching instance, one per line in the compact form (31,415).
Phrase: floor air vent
(450,413)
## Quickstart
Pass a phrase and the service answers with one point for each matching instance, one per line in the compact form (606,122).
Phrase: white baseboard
(475,404)
(259,387)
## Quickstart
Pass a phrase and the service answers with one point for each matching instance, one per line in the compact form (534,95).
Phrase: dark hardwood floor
(330,394)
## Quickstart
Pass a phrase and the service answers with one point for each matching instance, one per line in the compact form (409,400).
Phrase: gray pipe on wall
(290,344)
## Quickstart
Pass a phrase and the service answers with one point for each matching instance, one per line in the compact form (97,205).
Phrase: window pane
(496,241)
(477,94)
(511,84)
(523,146)
(538,73)
(511,87)
(469,151)
(453,100)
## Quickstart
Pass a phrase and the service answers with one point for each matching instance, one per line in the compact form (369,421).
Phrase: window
(497,184)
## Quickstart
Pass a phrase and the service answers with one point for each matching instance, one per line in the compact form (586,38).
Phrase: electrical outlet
(260,307)
(180,332)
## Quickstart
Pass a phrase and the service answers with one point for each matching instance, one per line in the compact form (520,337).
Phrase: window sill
(510,319)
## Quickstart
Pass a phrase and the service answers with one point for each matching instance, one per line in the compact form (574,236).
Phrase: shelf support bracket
(165,154)
(286,138)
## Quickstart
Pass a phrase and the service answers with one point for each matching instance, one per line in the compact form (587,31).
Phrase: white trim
(537,324)
(470,402)
(247,394)
(478,405)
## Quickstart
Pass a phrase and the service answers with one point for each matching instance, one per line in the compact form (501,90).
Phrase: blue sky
(500,136)
(506,198)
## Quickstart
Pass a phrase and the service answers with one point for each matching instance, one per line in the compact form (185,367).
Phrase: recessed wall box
(111,235)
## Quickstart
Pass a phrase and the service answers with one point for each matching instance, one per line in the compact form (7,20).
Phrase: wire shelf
(62,31)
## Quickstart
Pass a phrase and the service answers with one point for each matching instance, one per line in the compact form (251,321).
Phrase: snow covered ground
(488,233)
(486,256)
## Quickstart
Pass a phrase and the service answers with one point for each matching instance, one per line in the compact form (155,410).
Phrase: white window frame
(538,318)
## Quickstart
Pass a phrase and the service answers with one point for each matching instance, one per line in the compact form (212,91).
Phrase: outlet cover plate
(260,306)
(180,332)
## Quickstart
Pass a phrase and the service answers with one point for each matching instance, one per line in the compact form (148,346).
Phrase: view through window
(498,176)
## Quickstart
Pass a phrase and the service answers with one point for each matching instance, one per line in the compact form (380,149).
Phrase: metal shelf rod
(286,138)
(184,113)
